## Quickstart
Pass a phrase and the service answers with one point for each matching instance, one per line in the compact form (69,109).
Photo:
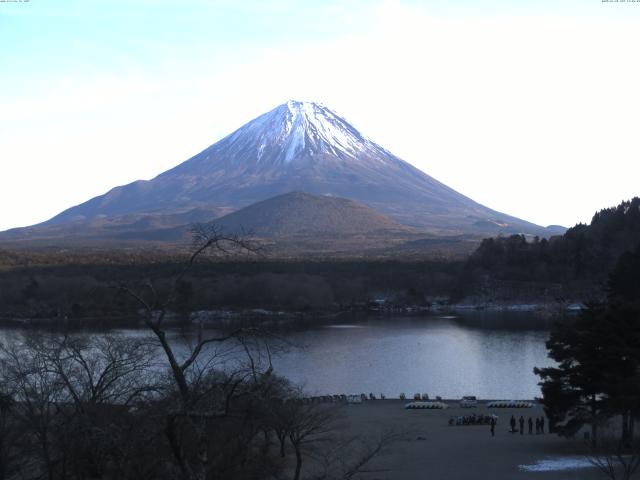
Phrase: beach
(432,449)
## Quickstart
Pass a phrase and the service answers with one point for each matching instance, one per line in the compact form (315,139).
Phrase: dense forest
(568,268)
(574,265)
(91,290)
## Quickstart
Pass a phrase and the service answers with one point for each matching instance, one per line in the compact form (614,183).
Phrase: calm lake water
(487,354)
(490,355)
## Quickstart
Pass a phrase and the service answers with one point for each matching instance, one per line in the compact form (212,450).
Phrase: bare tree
(10,437)
(156,306)
(199,392)
(109,406)
(614,457)
(316,433)
(309,424)
(100,370)
(346,458)
(69,394)
(36,394)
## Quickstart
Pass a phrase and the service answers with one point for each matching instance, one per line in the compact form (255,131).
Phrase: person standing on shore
(521,421)
(493,426)
(512,422)
(537,425)
(530,421)
(542,424)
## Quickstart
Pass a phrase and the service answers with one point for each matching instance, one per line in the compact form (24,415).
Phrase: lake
(487,354)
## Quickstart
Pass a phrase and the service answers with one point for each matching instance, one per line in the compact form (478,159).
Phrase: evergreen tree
(573,392)
(579,260)
(623,302)
(598,356)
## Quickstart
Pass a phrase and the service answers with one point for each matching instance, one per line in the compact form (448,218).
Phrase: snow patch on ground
(557,464)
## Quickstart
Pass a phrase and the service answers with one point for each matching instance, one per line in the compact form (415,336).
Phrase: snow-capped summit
(291,135)
(297,146)
(309,128)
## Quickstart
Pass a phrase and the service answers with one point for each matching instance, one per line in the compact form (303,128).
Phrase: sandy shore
(431,449)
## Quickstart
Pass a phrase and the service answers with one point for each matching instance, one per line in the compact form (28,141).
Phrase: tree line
(570,267)
(578,261)
(77,406)
(86,292)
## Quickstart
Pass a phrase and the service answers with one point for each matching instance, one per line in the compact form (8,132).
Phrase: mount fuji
(296,147)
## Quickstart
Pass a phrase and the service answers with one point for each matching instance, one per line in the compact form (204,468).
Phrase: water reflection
(473,354)
(487,354)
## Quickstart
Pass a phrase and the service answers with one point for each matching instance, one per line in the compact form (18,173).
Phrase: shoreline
(431,448)
(233,317)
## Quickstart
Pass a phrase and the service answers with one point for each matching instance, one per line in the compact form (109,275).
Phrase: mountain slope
(299,213)
(298,146)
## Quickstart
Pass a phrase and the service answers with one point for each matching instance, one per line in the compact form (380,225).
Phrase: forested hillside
(577,262)
(503,270)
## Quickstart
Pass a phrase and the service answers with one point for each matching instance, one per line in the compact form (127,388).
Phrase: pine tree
(598,356)
(573,392)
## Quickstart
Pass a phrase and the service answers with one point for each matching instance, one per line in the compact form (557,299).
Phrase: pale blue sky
(527,107)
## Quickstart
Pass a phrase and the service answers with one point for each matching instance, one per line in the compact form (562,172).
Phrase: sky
(529,107)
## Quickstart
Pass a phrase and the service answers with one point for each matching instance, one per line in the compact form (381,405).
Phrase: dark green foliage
(598,356)
(579,260)
(573,391)
(624,281)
